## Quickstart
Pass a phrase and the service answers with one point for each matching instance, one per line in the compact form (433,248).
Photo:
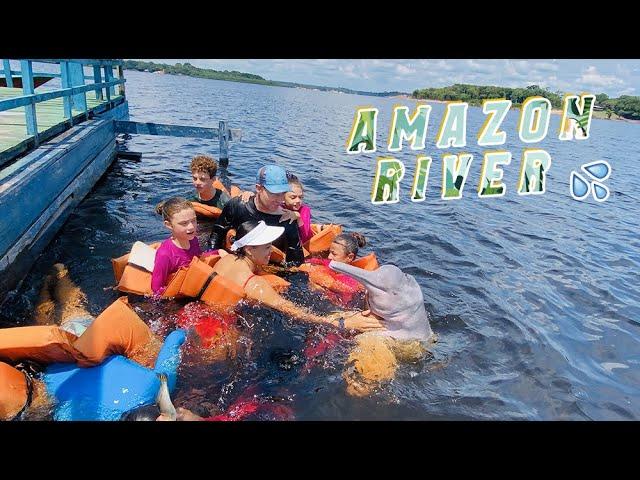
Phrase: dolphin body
(394,296)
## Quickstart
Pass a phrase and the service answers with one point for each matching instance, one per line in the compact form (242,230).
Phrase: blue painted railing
(73,91)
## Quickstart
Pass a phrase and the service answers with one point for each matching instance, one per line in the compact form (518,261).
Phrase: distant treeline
(234,76)
(192,71)
(625,106)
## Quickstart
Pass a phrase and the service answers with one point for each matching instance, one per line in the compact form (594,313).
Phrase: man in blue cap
(266,204)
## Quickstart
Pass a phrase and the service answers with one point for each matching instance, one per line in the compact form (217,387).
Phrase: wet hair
(351,241)
(241,231)
(204,163)
(293,180)
(168,208)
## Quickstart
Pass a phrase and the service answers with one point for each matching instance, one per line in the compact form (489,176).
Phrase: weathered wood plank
(34,186)
(15,264)
(166,130)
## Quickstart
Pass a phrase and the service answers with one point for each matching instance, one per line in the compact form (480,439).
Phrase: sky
(614,77)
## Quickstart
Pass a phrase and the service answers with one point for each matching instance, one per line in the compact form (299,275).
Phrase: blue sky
(613,77)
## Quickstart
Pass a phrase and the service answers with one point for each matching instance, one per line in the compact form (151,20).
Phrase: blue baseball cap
(273,178)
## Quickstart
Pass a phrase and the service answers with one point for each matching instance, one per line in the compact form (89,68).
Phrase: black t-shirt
(219,199)
(236,212)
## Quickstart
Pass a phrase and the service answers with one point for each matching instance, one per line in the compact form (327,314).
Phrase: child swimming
(177,250)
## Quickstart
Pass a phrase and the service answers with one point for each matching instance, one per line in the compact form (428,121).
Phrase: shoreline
(597,114)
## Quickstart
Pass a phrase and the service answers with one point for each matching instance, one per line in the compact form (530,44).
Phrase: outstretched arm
(259,290)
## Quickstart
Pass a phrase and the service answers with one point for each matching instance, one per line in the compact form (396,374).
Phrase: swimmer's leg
(67,294)
(45,309)
(370,364)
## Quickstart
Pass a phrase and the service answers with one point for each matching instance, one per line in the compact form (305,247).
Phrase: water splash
(599,169)
(600,192)
(579,186)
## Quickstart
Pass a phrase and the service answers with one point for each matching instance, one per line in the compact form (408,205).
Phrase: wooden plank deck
(50,120)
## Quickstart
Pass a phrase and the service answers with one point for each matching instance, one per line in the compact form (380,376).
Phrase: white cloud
(593,78)
(404,70)
(478,67)
(545,66)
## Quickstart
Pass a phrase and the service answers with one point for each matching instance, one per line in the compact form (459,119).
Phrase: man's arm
(294,252)
(222,226)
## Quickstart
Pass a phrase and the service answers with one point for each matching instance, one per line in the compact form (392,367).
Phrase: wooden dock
(50,119)
(54,146)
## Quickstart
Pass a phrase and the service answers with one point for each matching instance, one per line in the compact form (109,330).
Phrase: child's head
(293,198)
(179,217)
(203,172)
(344,247)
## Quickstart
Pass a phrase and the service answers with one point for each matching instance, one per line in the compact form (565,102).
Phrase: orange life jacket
(118,330)
(204,210)
(132,278)
(233,192)
(203,283)
(208,211)
(322,238)
(322,276)
(42,343)
(368,262)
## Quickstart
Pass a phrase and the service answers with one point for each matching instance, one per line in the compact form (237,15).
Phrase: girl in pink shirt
(177,250)
(301,212)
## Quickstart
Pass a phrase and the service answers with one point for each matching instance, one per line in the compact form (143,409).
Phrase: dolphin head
(394,296)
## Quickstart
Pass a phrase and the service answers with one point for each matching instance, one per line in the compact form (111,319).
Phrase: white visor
(261,235)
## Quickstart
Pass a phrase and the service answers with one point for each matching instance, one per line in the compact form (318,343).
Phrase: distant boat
(17,81)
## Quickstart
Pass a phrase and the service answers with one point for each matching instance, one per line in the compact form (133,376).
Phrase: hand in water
(364,322)
(183,415)
(361,321)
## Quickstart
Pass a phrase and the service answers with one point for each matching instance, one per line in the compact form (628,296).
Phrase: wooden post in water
(223,135)
(27,89)
(7,73)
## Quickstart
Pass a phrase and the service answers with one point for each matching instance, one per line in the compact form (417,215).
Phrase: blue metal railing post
(7,73)
(107,78)
(111,77)
(76,79)
(27,89)
(97,78)
(121,76)
(66,83)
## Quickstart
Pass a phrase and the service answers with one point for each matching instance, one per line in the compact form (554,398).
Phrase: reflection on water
(533,298)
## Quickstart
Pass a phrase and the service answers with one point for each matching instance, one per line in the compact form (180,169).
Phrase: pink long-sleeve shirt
(169,258)
(305,230)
